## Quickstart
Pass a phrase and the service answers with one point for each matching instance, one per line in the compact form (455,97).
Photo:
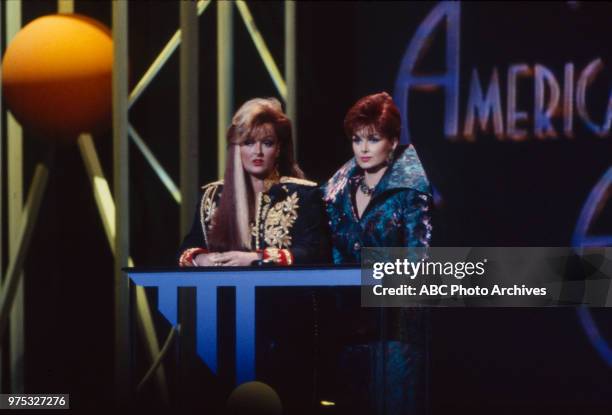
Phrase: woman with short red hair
(381,197)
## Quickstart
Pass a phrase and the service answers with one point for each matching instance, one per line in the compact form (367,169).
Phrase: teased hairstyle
(230,230)
(376,111)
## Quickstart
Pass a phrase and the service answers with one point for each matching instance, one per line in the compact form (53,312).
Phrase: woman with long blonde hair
(264,210)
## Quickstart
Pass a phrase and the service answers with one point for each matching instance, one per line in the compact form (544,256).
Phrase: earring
(390,157)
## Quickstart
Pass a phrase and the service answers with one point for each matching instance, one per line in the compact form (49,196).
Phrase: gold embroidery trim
(288,256)
(295,180)
(207,209)
(213,184)
(255,227)
(279,220)
(278,256)
(272,254)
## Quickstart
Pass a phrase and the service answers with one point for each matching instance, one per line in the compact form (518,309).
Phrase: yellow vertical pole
(189,104)
(15,206)
(225,74)
(1,196)
(189,168)
(291,66)
(65,6)
(120,178)
(28,221)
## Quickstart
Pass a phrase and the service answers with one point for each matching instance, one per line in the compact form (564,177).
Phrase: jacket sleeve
(417,218)
(309,237)
(194,242)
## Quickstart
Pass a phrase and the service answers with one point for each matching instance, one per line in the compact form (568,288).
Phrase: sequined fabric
(398,213)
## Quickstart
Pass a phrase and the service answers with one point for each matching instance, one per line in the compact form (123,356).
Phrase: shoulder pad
(295,180)
(217,183)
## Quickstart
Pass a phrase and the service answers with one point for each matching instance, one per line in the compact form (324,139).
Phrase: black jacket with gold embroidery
(289,223)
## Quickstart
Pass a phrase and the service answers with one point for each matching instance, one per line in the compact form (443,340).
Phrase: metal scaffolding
(114,208)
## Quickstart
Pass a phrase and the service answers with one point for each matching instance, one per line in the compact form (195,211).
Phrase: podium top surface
(248,277)
(174,270)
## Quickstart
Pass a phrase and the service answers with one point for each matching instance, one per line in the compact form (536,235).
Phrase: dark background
(491,193)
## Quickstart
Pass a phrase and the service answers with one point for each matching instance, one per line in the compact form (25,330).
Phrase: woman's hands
(204,260)
(236,258)
(229,258)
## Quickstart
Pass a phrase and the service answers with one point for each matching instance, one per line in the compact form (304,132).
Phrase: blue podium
(207,282)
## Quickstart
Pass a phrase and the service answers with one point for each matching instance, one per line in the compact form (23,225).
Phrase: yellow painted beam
(189,114)
(15,205)
(65,6)
(141,86)
(262,48)
(225,85)
(161,59)
(1,182)
(158,361)
(120,191)
(291,67)
(106,209)
(14,274)
(161,173)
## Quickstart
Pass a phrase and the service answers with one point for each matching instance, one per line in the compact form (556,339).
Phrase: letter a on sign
(406,80)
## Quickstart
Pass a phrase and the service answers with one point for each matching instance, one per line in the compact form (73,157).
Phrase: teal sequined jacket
(398,214)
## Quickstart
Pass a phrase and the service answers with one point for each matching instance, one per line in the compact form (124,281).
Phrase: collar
(406,172)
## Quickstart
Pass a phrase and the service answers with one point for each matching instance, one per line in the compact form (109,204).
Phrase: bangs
(377,112)
(367,129)
(261,131)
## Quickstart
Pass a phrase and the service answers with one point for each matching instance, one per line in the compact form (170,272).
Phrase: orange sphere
(57,74)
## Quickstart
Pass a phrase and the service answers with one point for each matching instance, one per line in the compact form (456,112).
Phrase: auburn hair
(230,229)
(376,111)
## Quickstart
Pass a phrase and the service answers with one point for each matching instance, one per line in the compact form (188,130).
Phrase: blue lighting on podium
(207,281)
